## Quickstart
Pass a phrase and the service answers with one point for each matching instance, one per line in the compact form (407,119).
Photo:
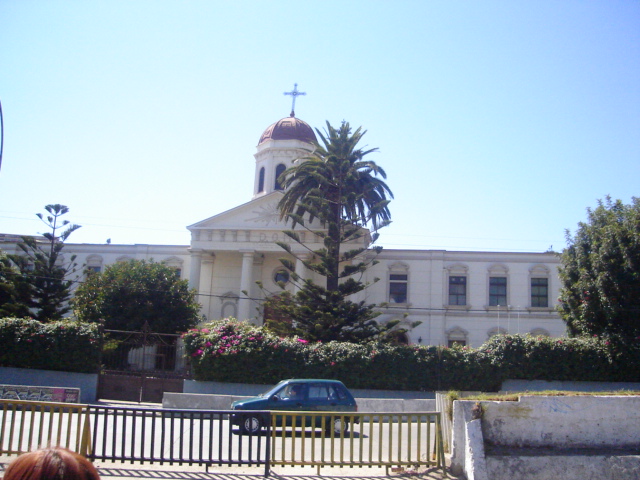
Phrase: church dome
(289,128)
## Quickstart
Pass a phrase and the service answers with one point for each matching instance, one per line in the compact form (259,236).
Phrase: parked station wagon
(304,395)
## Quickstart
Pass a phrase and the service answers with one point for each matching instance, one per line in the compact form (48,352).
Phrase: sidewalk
(122,471)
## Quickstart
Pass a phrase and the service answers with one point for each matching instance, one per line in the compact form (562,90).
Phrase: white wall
(427,272)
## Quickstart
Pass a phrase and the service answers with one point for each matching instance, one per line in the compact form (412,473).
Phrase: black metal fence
(190,437)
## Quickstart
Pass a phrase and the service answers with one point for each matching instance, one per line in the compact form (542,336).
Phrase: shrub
(233,351)
(65,345)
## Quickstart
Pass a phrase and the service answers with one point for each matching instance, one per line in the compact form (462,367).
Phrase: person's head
(54,463)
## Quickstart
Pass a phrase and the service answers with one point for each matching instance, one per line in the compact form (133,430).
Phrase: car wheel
(251,424)
(337,425)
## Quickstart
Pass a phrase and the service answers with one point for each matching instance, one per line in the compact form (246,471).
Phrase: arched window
(261,181)
(279,171)
(94,264)
(539,332)
(398,338)
(229,308)
(457,336)
(175,263)
(496,331)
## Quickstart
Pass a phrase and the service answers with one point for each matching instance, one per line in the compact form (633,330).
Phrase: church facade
(459,297)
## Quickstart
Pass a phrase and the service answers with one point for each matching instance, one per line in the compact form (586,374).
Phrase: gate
(141,366)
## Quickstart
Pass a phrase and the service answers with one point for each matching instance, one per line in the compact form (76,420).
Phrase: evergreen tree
(44,268)
(14,290)
(341,190)
(600,273)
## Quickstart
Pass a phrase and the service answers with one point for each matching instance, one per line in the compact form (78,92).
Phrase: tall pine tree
(44,267)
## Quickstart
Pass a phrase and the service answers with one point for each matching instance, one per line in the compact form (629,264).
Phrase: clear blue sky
(498,123)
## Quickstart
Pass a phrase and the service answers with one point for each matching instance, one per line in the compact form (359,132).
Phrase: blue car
(304,395)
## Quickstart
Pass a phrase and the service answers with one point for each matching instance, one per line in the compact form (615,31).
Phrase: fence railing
(173,436)
(27,425)
(205,437)
(378,440)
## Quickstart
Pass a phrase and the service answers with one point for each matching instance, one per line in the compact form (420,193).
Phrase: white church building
(460,297)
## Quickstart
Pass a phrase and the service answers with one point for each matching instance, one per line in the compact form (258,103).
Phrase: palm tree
(340,188)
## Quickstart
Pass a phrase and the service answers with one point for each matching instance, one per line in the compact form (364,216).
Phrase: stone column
(301,271)
(244,307)
(195,268)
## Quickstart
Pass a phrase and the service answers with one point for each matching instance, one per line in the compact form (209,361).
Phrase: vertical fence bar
(41,425)
(4,422)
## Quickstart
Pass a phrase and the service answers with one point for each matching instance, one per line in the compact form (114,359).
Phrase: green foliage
(45,288)
(600,273)
(345,193)
(323,315)
(128,294)
(14,290)
(65,345)
(232,351)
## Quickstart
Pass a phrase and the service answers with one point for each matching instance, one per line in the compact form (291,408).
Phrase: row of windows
(458,337)
(457,295)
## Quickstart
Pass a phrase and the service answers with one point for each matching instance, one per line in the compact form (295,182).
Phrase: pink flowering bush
(233,351)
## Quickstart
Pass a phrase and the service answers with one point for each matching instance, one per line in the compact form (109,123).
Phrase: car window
(318,392)
(293,391)
(340,393)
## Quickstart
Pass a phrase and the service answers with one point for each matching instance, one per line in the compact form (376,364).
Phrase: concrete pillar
(244,307)
(194,270)
(301,271)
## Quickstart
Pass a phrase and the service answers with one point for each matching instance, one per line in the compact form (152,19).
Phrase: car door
(292,397)
(323,399)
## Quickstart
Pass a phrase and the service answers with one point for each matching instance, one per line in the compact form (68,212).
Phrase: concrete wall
(251,390)
(197,401)
(542,437)
(584,421)
(543,385)
(86,382)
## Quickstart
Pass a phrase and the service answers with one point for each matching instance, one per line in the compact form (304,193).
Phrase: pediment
(254,225)
(258,214)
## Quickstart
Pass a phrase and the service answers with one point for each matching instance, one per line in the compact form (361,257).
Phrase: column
(194,269)
(300,271)
(244,307)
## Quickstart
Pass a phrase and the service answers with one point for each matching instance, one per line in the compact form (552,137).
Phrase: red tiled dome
(289,128)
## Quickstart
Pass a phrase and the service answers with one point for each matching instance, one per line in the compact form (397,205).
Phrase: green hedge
(232,351)
(66,345)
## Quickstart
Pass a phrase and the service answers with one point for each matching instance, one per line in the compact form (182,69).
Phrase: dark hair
(54,463)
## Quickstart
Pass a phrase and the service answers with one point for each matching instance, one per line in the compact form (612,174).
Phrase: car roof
(313,380)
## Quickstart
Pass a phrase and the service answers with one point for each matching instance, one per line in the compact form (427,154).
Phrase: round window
(281,276)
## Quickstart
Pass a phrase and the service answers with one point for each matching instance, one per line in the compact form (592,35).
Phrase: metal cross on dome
(294,93)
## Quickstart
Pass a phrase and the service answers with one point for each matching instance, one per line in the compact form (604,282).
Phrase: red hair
(54,463)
